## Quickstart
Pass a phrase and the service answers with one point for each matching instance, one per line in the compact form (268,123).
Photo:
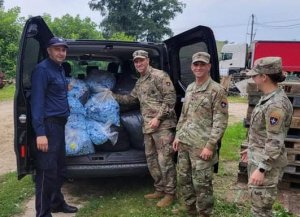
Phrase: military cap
(266,65)
(56,41)
(201,57)
(140,54)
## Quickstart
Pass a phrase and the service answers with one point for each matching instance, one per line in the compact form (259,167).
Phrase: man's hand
(176,144)
(42,143)
(257,178)
(244,156)
(206,154)
(154,123)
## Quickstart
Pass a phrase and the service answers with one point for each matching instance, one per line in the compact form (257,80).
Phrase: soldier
(202,123)
(156,94)
(270,121)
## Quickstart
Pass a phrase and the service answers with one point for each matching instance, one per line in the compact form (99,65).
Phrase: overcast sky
(229,19)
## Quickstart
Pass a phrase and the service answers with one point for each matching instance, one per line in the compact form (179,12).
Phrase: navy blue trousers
(50,170)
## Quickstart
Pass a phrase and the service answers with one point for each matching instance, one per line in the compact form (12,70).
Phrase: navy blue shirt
(48,94)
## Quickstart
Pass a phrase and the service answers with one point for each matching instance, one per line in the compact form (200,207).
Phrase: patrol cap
(56,41)
(266,65)
(140,54)
(201,57)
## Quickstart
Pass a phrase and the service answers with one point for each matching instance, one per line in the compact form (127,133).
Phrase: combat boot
(155,195)
(166,201)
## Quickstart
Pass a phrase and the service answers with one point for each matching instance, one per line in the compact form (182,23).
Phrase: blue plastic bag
(78,142)
(76,121)
(103,107)
(100,133)
(76,106)
(99,79)
(78,89)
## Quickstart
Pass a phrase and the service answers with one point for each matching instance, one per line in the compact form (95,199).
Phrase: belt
(57,120)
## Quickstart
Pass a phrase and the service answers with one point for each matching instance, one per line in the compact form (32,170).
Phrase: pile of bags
(94,122)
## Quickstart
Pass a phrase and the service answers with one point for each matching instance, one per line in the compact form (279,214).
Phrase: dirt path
(7,155)
(237,112)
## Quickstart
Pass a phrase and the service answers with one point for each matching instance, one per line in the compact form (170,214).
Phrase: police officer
(270,121)
(50,110)
(201,125)
(156,95)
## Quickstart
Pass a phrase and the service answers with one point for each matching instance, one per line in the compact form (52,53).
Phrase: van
(172,55)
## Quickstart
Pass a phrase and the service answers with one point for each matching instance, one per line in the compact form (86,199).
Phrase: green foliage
(10,28)
(73,27)
(143,20)
(121,36)
(233,138)
(237,99)
(13,193)
(7,92)
(224,208)
(280,211)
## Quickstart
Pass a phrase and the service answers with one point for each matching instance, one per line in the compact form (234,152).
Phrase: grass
(119,200)
(7,92)
(234,136)
(123,196)
(237,99)
(13,193)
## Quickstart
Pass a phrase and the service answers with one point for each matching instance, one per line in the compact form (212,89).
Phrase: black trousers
(50,169)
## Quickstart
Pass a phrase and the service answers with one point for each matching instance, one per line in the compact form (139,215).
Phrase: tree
(146,20)
(121,36)
(10,29)
(73,27)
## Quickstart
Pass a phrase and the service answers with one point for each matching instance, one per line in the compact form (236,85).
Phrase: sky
(229,19)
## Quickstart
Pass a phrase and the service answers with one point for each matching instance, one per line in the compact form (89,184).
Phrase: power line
(258,23)
(280,26)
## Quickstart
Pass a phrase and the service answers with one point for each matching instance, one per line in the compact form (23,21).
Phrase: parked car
(172,55)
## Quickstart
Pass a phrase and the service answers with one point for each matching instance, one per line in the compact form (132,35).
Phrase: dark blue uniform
(50,110)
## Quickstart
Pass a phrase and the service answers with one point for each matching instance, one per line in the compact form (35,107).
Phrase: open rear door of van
(180,49)
(32,49)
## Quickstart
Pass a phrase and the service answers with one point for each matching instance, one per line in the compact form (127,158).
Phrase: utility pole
(252,24)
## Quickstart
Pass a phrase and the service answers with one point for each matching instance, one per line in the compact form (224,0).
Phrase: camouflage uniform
(202,123)
(156,95)
(270,121)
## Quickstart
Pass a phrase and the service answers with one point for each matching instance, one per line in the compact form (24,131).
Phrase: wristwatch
(262,170)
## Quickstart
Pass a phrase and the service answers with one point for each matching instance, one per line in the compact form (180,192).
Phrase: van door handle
(22,118)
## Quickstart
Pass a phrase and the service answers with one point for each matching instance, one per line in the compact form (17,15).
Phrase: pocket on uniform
(263,197)
(200,102)
(202,165)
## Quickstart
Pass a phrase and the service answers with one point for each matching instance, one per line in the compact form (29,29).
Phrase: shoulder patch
(224,103)
(274,120)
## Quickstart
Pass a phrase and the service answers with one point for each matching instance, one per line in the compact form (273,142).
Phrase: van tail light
(23,151)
